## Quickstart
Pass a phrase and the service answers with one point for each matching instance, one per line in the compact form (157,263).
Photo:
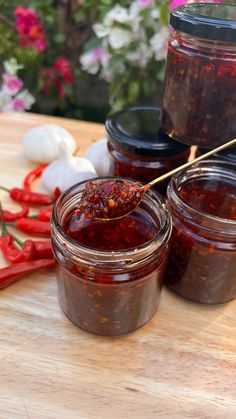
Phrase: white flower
(116,14)
(141,56)
(26,98)
(118,38)
(5,100)
(155,13)
(134,17)
(101,30)
(159,43)
(89,64)
(11,67)
(91,60)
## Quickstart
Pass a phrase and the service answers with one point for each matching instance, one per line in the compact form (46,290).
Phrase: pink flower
(30,29)
(177,3)
(56,78)
(91,60)
(143,4)
(11,84)
(97,53)
(18,104)
(62,65)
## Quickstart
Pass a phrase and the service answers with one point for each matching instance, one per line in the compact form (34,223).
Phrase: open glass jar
(140,149)
(202,262)
(105,291)
(229,154)
(199,100)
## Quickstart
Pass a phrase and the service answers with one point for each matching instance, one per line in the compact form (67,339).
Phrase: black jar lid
(137,130)
(206,20)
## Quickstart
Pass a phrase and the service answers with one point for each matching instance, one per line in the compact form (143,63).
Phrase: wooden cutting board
(182,364)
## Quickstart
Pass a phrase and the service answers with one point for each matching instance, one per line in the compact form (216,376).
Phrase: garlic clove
(66,172)
(41,144)
(99,155)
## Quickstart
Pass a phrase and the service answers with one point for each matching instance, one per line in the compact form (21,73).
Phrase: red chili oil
(110,199)
(202,262)
(126,233)
(140,149)
(199,100)
(110,273)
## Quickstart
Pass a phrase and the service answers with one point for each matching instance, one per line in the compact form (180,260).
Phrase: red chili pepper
(34,227)
(11,273)
(25,254)
(31,198)
(6,240)
(8,248)
(43,249)
(34,174)
(57,192)
(45,214)
(12,216)
(10,252)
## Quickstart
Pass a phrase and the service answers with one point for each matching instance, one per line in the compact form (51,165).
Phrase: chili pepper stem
(4,189)
(4,228)
(18,241)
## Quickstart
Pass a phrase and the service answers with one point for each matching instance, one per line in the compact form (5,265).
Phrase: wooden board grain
(182,364)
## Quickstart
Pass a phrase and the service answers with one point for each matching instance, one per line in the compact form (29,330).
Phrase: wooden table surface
(182,364)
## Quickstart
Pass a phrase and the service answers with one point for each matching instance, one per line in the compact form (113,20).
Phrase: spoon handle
(188,164)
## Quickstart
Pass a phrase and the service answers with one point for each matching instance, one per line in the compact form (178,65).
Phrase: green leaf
(164,14)
(118,104)
(92,43)
(59,38)
(116,61)
(133,91)
(80,15)
(106,2)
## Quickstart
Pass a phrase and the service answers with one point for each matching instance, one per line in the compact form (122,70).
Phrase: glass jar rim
(152,198)
(228,154)
(206,20)
(203,168)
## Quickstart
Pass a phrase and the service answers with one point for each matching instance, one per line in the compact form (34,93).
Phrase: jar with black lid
(139,148)
(199,99)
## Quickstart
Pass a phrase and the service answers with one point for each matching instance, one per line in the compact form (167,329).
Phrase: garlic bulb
(67,171)
(99,155)
(41,144)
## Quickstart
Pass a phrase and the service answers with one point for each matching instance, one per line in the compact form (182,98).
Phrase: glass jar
(229,154)
(103,291)
(202,262)
(199,99)
(139,149)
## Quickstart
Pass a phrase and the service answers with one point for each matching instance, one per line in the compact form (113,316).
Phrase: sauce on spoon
(110,199)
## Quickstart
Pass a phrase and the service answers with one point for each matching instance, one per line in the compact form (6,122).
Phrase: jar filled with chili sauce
(140,149)
(202,262)
(110,272)
(199,99)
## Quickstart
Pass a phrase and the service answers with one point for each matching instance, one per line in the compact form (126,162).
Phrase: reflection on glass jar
(139,149)
(199,100)
(110,273)
(202,262)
